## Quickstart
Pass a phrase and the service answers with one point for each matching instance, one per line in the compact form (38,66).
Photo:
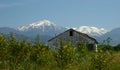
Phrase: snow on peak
(37,24)
(94,31)
(46,25)
(42,23)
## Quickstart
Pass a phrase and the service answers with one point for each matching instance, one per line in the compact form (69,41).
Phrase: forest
(35,55)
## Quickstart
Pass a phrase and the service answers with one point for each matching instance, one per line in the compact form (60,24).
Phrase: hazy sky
(68,13)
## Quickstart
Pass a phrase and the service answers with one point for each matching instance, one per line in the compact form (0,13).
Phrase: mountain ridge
(90,30)
(37,24)
(47,29)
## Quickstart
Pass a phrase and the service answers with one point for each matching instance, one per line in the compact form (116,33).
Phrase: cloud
(9,5)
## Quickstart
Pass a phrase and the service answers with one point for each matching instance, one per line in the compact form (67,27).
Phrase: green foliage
(105,47)
(23,55)
(117,48)
(99,61)
(65,54)
(107,41)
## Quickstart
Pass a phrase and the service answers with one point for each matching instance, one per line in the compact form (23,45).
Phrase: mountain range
(47,29)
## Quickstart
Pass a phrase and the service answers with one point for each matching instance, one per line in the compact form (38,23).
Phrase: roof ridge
(75,31)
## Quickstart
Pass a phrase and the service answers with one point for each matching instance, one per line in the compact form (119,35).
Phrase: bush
(23,55)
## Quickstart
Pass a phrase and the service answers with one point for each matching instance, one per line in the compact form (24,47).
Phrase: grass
(23,55)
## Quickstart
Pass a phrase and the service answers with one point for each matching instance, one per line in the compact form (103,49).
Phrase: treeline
(23,55)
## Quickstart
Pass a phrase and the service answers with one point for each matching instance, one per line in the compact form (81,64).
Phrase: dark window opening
(71,33)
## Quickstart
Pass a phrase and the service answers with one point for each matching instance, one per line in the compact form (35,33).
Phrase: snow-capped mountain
(92,31)
(45,29)
(43,25)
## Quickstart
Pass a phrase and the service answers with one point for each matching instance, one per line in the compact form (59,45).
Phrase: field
(23,55)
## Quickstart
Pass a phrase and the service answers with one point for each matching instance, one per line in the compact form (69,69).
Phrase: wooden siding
(74,38)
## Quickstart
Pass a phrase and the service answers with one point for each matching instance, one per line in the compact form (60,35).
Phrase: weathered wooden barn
(74,37)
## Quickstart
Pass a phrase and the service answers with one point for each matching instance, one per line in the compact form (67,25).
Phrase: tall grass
(23,55)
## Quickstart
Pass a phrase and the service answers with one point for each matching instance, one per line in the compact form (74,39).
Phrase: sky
(67,13)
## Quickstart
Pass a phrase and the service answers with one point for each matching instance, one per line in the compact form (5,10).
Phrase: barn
(74,37)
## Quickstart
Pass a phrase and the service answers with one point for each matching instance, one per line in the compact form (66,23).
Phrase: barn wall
(64,37)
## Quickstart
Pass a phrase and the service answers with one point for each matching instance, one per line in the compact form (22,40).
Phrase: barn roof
(83,34)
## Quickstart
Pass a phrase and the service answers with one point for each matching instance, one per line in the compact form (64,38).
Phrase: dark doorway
(90,46)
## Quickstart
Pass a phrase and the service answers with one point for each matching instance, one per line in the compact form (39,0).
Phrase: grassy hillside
(23,55)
